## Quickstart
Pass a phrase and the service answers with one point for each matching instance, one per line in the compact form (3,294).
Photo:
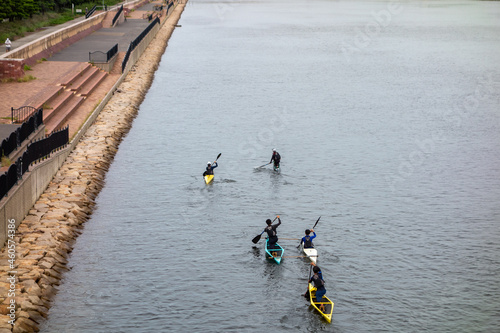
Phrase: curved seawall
(35,255)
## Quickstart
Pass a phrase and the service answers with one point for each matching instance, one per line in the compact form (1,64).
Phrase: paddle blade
(218,156)
(316,223)
(256,239)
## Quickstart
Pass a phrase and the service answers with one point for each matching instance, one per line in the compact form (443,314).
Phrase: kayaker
(307,239)
(319,283)
(210,168)
(271,232)
(276,158)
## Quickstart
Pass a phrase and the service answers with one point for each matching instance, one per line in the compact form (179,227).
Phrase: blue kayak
(275,253)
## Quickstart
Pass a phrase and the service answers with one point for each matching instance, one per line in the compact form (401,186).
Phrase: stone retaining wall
(45,237)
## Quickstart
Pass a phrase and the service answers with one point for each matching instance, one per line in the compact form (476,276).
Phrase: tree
(28,8)
(6,9)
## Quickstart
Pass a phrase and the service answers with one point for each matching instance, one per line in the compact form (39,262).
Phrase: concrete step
(58,120)
(68,80)
(91,84)
(56,105)
(44,96)
(80,82)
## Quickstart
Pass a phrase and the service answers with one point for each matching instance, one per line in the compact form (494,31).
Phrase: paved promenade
(51,73)
(103,40)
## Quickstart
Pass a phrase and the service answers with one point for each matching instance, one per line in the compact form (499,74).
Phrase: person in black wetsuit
(210,168)
(319,283)
(271,233)
(307,239)
(276,158)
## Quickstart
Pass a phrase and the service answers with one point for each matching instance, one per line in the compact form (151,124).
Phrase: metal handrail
(109,54)
(117,15)
(90,12)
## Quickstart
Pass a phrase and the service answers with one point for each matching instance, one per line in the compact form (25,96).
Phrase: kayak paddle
(316,223)
(306,295)
(311,228)
(257,238)
(263,165)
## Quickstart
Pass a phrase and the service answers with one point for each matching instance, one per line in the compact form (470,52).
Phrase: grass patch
(8,80)
(26,78)
(27,68)
(6,161)
(21,27)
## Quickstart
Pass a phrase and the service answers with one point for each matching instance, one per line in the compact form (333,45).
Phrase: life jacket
(318,282)
(270,231)
(277,158)
(308,244)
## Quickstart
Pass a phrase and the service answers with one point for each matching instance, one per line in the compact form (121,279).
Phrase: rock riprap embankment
(46,236)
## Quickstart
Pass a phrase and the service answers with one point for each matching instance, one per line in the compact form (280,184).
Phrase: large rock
(53,273)
(32,218)
(36,316)
(31,288)
(33,257)
(28,306)
(57,257)
(4,322)
(39,206)
(33,274)
(48,292)
(56,214)
(25,325)
(26,263)
(49,280)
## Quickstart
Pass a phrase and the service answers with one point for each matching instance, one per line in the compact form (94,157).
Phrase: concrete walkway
(102,40)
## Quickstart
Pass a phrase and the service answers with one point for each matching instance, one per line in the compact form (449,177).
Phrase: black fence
(117,15)
(171,4)
(15,138)
(36,151)
(136,41)
(19,115)
(103,57)
(90,12)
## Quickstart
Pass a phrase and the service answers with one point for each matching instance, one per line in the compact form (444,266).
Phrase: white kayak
(311,253)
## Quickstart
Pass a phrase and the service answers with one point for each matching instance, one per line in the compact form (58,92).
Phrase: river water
(387,119)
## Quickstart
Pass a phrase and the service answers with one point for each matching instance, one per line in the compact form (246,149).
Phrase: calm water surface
(388,125)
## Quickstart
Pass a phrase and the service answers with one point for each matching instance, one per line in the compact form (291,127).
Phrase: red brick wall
(11,68)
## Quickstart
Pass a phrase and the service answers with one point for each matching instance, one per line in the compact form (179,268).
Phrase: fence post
(18,137)
(20,168)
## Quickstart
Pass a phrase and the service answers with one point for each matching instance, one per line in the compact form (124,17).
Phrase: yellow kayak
(327,313)
(208,179)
